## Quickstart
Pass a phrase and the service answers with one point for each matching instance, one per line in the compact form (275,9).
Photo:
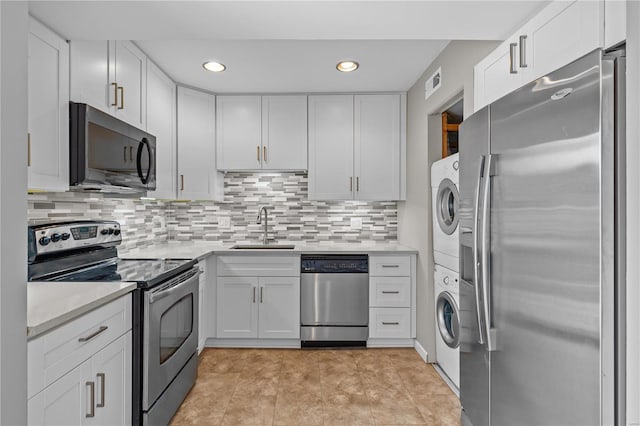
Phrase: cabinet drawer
(389,266)
(259,266)
(59,351)
(390,323)
(392,292)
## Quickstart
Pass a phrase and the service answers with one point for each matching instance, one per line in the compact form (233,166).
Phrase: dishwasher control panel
(334,263)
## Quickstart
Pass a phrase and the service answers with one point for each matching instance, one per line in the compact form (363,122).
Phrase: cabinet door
(90,74)
(239,132)
(493,76)
(279,308)
(284,132)
(377,147)
(197,175)
(331,147)
(131,76)
(561,33)
(161,122)
(112,377)
(237,307)
(66,401)
(48,112)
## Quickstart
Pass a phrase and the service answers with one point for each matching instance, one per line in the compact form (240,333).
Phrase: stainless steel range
(165,306)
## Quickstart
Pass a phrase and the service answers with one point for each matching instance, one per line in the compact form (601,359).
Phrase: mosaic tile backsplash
(291,216)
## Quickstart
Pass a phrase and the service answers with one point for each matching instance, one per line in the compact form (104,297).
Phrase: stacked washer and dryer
(444,191)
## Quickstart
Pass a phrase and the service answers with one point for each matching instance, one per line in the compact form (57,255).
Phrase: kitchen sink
(263,247)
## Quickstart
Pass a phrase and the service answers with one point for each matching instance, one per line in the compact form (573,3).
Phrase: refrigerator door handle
(486,247)
(476,264)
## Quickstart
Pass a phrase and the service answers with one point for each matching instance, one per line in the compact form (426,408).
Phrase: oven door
(170,332)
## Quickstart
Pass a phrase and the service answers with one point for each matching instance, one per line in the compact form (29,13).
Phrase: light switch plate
(224,222)
(356,223)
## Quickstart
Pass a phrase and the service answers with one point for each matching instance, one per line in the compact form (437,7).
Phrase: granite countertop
(202,249)
(52,304)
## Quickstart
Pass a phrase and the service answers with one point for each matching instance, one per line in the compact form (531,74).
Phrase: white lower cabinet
(204,306)
(390,322)
(253,301)
(80,373)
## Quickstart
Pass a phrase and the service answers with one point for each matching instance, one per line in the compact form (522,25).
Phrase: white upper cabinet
(48,110)
(261,132)
(110,76)
(198,178)
(377,147)
(562,32)
(284,132)
(355,147)
(239,132)
(161,122)
(331,147)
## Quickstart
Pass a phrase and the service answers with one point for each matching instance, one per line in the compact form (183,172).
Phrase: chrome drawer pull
(390,323)
(101,377)
(390,266)
(390,292)
(94,334)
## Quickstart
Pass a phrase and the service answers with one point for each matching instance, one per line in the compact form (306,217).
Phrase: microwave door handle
(143,143)
(173,286)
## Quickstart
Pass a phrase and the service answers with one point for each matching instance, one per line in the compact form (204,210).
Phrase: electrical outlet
(224,222)
(356,223)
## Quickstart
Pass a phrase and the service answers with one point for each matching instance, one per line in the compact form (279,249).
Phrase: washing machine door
(447,206)
(448,320)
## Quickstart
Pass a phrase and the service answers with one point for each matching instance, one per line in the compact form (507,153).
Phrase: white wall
(13,212)
(423,148)
(633,207)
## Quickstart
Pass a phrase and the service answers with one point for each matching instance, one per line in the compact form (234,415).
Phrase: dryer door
(447,206)
(447,319)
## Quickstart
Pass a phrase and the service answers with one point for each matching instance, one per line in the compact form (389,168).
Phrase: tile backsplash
(291,215)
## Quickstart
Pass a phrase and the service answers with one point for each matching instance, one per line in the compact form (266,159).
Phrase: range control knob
(44,241)
(65,236)
(110,231)
(104,231)
(55,237)
(116,232)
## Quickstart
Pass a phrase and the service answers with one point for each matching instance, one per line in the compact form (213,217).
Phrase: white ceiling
(289,46)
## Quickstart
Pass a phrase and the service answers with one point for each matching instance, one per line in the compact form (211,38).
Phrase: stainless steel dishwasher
(334,296)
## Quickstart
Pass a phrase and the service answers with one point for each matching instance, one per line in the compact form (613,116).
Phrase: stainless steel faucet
(265,238)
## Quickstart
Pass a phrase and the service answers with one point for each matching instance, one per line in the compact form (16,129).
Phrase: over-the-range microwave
(108,155)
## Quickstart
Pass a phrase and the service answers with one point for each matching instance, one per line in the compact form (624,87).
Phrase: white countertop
(52,304)
(202,249)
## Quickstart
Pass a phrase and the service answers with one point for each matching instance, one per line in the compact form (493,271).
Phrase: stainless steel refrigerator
(542,236)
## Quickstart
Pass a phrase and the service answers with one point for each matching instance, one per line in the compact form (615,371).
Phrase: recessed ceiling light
(214,66)
(347,66)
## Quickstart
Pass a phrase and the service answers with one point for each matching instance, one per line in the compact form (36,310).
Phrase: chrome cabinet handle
(486,273)
(101,377)
(115,94)
(121,89)
(92,410)
(261,292)
(264,154)
(181,182)
(254,295)
(390,292)
(351,184)
(390,323)
(102,329)
(512,58)
(258,153)
(523,51)
(124,154)
(476,264)
(357,183)
(390,266)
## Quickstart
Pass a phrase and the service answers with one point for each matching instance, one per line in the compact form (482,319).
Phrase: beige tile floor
(317,387)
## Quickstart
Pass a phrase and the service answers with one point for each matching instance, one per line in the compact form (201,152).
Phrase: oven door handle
(173,286)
